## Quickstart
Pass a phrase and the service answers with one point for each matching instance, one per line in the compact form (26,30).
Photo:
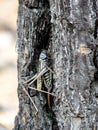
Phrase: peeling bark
(68,31)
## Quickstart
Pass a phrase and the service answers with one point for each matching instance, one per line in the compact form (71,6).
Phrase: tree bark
(68,31)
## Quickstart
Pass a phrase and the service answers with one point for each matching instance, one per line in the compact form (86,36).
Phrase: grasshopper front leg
(29,80)
(38,75)
(35,77)
(44,70)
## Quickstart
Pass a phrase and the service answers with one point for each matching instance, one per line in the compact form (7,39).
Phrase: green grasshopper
(43,76)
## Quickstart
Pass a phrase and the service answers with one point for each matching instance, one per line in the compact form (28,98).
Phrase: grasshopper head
(43,55)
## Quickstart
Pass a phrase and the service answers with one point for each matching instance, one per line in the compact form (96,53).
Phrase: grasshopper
(43,76)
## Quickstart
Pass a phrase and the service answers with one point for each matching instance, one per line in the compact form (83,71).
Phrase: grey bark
(67,30)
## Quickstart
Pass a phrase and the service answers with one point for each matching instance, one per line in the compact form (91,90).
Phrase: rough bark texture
(67,30)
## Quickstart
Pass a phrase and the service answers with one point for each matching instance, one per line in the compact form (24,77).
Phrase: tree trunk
(68,31)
